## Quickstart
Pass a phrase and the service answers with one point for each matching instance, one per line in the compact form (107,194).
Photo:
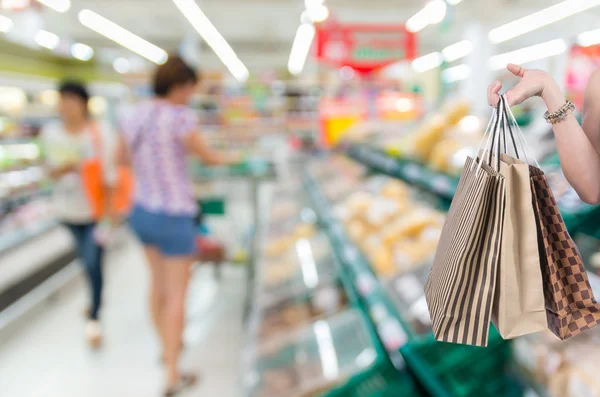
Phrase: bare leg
(177,272)
(158,293)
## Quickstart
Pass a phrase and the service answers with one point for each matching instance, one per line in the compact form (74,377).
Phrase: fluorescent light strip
(213,38)
(327,352)
(589,38)
(301,47)
(47,39)
(82,52)
(528,54)
(310,275)
(433,12)
(539,19)
(456,73)
(122,36)
(57,5)
(427,62)
(6,24)
(453,2)
(457,50)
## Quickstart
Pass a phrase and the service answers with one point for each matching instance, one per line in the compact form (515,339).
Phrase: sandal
(185,382)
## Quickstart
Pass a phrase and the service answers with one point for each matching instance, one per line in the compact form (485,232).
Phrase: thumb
(516,69)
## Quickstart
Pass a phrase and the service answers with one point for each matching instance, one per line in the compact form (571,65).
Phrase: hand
(533,82)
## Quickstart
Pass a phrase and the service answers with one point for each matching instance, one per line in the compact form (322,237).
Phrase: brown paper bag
(519,307)
(570,303)
(460,286)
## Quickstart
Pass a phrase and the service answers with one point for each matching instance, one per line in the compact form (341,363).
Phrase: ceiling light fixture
(47,39)
(457,50)
(539,19)
(6,24)
(57,5)
(301,47)
(528,54)
(318,13)
(82,52)
(427,62)
(453,2)
(213,38)
(122,36)
(589,38)
(121,65)
(456,73)
(433,12)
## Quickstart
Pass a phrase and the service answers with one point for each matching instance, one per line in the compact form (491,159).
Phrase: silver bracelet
(560,114)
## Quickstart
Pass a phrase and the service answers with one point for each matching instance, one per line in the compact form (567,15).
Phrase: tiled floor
(48,357)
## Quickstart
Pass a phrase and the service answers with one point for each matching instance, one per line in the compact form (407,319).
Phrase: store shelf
(18,199)
(444,370)
(576,214)
(15,141)
(18,237)
(410,171)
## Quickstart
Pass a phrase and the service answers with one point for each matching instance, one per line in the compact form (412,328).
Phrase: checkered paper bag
(461,285)
(570,304)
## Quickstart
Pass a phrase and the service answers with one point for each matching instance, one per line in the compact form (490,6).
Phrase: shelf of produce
(577,215)
(18,237)
(12,201)
(442,368)
(350,361)
(16,141)
(412,172)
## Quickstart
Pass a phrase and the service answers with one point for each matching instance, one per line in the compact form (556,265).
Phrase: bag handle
(508,127)
(523,140)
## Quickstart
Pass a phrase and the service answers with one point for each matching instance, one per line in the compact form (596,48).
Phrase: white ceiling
(261,31)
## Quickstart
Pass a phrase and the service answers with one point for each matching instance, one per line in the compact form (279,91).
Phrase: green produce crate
(376,383)
(462,371)
(212,205)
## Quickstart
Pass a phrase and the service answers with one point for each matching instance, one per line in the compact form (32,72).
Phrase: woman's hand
(533,82)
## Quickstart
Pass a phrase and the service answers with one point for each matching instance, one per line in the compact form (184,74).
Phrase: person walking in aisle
(578,145)
(159,134)
(68,144)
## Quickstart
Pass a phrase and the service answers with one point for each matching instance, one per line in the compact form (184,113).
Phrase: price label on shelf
(378,313)
(365,283)
(338,231)
(392,334)
(412,172)
(441,185)
(530,393)
(351,254)
(409,287)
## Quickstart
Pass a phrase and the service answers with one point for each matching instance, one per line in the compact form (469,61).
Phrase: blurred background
(353,119)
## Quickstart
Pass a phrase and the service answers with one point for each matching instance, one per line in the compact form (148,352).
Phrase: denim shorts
(172,235)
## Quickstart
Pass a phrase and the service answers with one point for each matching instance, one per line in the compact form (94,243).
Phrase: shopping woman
(68,144)
(159,134)
(578,145)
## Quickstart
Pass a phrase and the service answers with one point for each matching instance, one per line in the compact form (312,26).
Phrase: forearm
(579,158)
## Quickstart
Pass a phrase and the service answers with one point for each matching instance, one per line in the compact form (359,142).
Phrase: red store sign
(363,47)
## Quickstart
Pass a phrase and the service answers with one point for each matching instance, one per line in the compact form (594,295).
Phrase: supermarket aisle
(49,358)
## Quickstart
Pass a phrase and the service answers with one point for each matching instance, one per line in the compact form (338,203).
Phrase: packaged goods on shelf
(565,369)
(420,144)
(307,264)
(292,312)
(313,359)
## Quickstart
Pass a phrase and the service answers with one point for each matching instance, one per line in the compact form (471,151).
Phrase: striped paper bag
(461,285)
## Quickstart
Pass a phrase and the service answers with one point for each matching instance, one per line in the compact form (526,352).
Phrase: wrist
(553,97)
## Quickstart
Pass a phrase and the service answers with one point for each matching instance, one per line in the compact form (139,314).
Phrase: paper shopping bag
(570,304)
(519,306)
(461,285)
